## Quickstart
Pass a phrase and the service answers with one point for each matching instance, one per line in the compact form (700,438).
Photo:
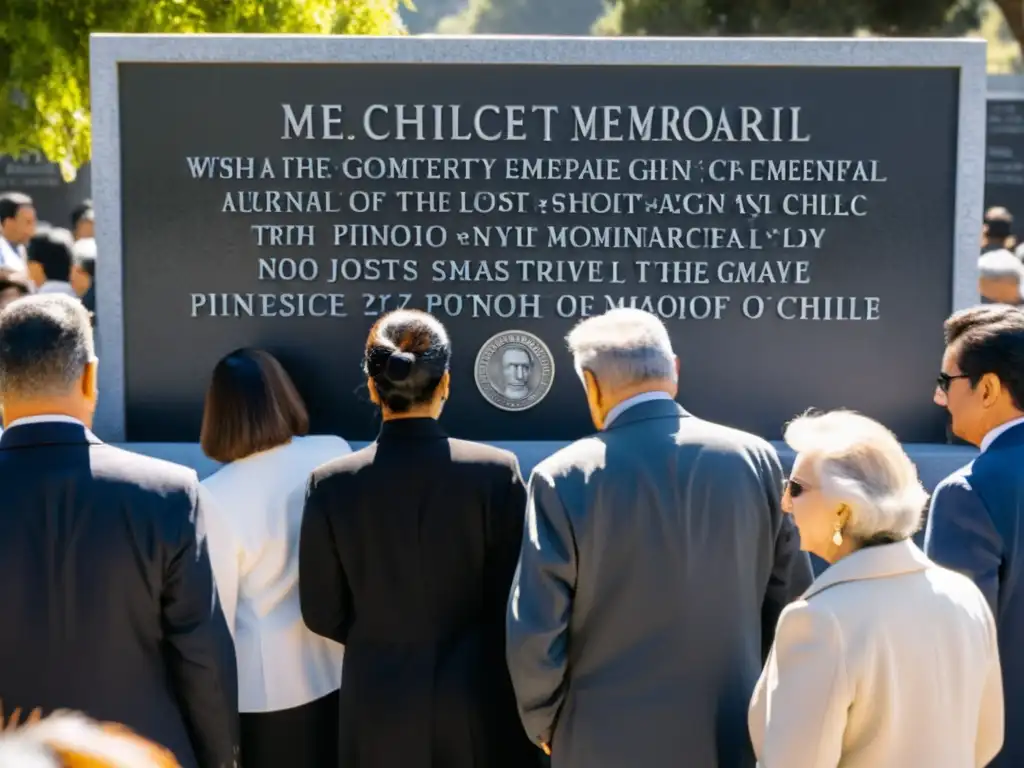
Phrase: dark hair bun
(407,356)
(399,365)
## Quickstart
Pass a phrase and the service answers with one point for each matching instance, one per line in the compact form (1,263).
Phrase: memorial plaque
(1004,156)
(794,226)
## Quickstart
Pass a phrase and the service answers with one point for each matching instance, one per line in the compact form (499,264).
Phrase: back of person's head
(998,224)
(407,355)
(1000,277)
(52,249)
(45,345)
(623,348)
(252,405)
(990,340)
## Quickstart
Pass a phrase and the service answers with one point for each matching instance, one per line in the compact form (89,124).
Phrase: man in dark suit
(106,592)
(656,563)
(975,522)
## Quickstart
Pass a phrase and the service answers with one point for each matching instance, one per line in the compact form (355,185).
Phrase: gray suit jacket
(655,563)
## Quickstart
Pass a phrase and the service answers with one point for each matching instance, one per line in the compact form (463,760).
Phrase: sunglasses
(794,488)
(944,380)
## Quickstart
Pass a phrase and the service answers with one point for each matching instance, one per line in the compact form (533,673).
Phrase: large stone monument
(1004,147)
(803,214)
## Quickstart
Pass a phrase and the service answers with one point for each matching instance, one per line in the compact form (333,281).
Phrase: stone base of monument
(934,462)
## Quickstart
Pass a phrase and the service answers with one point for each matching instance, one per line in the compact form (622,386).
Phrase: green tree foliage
(44,53)
(791,17)
(523,17)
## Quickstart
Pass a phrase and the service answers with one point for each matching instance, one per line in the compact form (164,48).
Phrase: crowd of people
(37,257)
(645,599)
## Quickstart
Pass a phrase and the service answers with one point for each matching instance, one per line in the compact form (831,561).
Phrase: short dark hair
(407,354)
(252,405)
(81,211)
(11,203)
(45,343)
(990,339)
(53,250)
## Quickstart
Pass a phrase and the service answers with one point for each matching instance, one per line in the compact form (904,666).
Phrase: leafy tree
(1013,12)
(523,17)
(792,17)
(44,53)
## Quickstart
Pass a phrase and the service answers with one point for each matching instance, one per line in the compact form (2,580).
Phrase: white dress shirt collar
(57,286)
(993,434)
(643,397)
(9,256)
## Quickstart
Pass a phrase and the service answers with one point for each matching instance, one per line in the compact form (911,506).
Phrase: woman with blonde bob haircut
(887,660)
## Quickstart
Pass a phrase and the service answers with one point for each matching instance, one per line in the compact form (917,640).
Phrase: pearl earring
(837,537)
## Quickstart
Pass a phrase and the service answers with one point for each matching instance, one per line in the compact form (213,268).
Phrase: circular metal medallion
(514,370)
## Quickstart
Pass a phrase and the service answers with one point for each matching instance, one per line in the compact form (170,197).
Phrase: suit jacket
(406,556)
(975,527)
(107,595)
(888,661)
(655,564)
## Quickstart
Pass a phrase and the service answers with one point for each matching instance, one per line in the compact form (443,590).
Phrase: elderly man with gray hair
(655,564)
(106,590)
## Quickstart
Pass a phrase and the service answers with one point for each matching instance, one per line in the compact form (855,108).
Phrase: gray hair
(860,463)
(1000,265)
(45,343)
(623,347)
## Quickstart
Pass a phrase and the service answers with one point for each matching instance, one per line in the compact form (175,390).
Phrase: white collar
(56,286)
(993,434)
(643,397)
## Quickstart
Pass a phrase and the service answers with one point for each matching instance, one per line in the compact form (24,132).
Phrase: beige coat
(888,661)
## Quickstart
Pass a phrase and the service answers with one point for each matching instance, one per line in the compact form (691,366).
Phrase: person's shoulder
(723,438)
(118,466)
(472,452)
(583,455)
(342,466)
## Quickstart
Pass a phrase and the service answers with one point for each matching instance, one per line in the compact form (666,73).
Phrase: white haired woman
(888,660)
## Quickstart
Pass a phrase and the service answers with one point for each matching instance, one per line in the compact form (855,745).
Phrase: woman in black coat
(407,553)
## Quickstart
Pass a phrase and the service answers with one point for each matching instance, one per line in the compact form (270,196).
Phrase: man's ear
(90,380)
(374,395)
(445,385)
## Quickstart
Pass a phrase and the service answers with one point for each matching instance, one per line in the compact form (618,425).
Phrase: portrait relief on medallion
(514,370)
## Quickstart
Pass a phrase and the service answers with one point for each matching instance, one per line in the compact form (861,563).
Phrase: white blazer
(887,661)
(252,524)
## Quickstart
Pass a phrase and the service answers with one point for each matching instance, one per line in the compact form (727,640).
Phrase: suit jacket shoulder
(349,464)
(481,453)
(112,464)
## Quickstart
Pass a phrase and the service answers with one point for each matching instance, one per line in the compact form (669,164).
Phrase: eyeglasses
(794,488)
(944,380)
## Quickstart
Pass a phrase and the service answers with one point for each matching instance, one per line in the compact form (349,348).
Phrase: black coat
(407,552)
(107,596)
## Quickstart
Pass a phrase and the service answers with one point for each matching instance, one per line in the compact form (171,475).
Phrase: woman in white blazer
(255,422)
(887,660)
